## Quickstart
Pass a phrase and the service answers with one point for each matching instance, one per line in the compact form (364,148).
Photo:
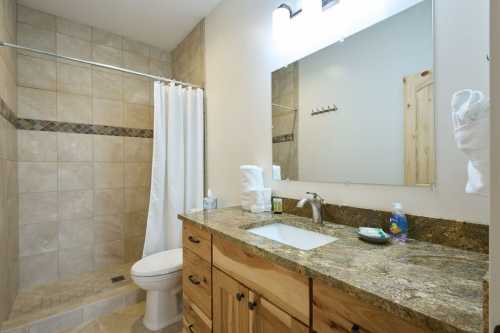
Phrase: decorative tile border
(7,113)
(57,126)
(462,235)
(283,138)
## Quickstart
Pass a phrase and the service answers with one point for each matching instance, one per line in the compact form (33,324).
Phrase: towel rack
(322,110)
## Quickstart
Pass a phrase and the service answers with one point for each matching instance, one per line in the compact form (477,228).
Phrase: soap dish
(373,235)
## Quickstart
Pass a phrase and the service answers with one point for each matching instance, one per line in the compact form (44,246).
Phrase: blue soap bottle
(399,223)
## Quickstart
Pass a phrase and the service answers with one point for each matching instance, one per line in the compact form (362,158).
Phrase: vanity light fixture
(283,15)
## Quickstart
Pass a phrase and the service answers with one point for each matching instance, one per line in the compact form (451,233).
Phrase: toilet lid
(159,264)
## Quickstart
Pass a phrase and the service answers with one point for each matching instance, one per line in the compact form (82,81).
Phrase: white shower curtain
(177,171)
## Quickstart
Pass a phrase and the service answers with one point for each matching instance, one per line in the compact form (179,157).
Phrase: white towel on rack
(470,117)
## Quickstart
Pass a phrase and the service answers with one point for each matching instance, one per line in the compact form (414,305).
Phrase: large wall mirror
(361,110)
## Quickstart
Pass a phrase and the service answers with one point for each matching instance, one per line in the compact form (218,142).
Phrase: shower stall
(77,150)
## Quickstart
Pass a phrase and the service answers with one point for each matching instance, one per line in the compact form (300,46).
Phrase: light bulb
(281,23)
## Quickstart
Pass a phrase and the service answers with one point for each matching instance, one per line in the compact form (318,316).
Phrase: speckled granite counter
(432,286)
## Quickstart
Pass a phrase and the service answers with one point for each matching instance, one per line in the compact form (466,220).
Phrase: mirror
(361,110)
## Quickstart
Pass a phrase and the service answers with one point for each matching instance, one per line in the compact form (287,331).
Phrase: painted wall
(363,77)
(9,223)
(240,57)
(495,167)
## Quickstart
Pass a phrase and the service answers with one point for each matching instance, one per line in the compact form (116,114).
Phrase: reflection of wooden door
(419,128)
(267,318)
(230,306)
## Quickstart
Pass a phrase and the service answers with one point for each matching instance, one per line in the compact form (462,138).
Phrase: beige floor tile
(127,320)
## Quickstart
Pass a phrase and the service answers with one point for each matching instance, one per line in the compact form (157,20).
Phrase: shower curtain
(177,170)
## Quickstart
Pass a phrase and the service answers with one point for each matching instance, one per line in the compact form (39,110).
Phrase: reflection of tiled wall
(188,58)
(83,197)
(8,172)
(285,88)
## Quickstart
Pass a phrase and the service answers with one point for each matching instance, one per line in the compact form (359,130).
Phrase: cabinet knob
(193,240)
(240,296)
(252,305)
(193,280)
(355,329)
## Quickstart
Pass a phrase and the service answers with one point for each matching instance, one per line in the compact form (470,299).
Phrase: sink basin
(293,236)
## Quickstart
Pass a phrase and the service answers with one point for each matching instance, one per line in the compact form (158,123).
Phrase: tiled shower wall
(188,58)
(83,197)
(8,173)
(285,87)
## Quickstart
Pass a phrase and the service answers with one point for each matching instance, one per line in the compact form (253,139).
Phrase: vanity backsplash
(457,234)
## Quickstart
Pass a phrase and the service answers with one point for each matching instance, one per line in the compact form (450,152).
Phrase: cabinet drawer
(197,281)
(337,312)
(194,320)
(287,289)
(197,240)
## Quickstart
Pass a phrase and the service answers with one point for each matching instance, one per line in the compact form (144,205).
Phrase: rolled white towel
(468,106)
(252,178)
(470,117)
(256,201)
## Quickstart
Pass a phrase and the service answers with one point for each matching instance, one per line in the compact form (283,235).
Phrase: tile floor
(127,320)
(69,291)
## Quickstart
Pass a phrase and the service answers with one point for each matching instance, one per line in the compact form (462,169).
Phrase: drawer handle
(193,280)
(355,329)
(194,240)
(252,305)
(240,296)
(190,328)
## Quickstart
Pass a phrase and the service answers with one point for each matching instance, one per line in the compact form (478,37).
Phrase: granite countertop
(432,286)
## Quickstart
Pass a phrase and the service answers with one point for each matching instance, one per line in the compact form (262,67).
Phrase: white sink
(293,236)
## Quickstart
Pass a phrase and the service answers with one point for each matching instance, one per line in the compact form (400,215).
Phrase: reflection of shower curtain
(177,172)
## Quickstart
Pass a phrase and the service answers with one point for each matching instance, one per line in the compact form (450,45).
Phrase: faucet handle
(315,196)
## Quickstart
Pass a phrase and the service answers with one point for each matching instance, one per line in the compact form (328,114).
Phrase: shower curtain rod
(124,70)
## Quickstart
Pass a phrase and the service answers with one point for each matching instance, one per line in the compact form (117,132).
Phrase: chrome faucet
(316,203)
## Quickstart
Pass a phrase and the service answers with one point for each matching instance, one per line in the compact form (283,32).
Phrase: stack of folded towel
(254,196)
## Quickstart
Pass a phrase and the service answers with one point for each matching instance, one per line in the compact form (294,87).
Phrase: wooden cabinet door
(230,304)
(419,129)
(267,318)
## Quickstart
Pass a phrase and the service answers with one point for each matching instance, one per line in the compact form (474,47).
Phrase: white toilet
(160,275)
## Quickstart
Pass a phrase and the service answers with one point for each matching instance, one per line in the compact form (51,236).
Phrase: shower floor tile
(68,291)
(127,320)
(63,305)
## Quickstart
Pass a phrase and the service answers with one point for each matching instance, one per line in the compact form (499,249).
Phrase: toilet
(160,275)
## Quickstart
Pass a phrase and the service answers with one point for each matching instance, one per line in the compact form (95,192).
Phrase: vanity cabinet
(335,311)
(229,288)
(268,318)
(237,309)
(197,279)
(231,312)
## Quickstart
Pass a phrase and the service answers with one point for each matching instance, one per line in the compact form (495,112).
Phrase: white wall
(240,58)
(363,77)
(495,166)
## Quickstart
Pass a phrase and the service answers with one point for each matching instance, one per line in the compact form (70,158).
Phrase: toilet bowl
(160,275)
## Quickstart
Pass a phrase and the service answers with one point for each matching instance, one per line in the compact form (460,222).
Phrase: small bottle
(399,223)
(277,205)
(209,202)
